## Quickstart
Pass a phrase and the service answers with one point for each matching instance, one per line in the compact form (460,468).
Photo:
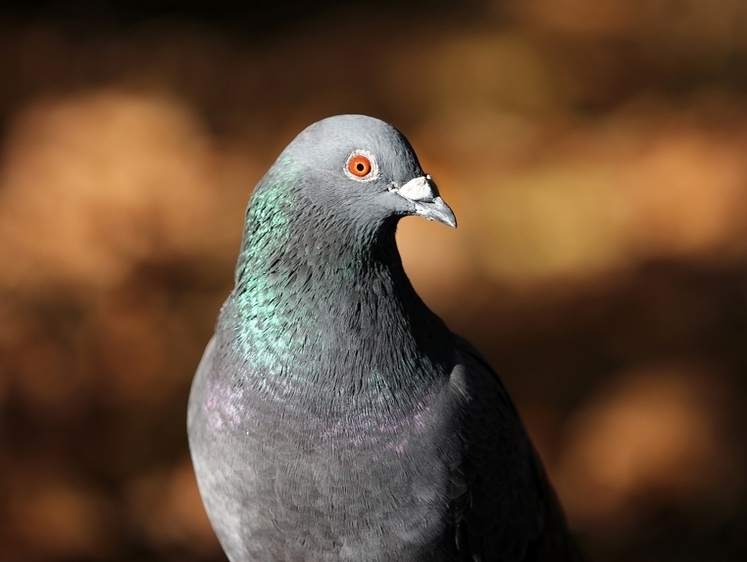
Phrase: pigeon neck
(328,303)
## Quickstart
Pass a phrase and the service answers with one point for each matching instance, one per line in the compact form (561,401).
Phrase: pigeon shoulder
(507,509)
(204,369)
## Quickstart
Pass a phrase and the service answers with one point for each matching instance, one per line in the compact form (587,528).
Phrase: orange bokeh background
(594,152)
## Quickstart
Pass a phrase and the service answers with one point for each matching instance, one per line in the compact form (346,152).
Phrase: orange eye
(359,166)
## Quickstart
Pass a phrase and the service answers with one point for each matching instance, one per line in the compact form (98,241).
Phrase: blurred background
(594,151)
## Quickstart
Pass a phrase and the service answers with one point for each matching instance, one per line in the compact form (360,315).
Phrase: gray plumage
(333,416)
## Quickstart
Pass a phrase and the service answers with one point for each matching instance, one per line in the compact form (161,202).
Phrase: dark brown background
(594,151)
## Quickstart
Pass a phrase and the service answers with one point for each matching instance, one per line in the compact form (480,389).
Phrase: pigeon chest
(286,484)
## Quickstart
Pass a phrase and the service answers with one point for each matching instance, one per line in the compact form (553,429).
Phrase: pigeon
(333,416)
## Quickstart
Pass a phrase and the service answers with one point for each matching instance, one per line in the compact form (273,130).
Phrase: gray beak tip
(444,215)
(436,210)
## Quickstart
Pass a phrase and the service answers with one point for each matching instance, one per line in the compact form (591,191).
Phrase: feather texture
(334,417)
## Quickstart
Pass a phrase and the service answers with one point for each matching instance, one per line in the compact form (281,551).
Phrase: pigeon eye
(361,166)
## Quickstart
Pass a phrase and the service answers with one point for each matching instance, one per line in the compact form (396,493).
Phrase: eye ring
(361,166)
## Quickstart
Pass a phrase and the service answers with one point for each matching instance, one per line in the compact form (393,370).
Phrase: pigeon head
(361,170)
(334,196)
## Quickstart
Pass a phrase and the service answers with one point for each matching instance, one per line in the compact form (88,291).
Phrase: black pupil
(360,167)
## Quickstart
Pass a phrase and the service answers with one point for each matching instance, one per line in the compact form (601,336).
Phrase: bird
(335,417)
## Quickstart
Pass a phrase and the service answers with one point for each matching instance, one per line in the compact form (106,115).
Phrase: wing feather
(509,511)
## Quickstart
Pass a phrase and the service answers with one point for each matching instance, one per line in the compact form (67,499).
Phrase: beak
(424,194)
